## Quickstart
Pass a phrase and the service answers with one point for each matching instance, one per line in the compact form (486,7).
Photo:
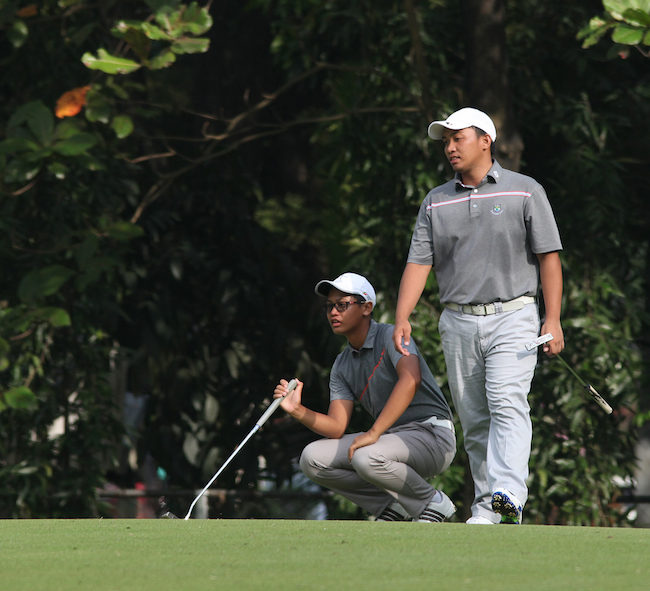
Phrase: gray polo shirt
(482,240)
(369,376)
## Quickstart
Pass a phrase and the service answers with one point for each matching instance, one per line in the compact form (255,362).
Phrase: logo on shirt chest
(496,209)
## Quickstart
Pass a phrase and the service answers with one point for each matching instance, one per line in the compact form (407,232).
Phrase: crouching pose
(385,469)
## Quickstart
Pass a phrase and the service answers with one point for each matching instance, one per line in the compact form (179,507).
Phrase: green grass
(149,555)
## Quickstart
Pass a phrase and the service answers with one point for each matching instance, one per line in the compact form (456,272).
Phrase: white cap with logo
(466,117)
(349,283)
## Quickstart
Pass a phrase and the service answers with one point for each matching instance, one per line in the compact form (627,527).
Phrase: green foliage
(109,64)
(175,33)
(178,224)
(34,142)
(627,21)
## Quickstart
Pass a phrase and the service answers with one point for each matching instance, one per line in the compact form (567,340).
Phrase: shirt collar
(369,343)
(493,176)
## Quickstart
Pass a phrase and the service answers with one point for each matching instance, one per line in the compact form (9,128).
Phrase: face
(351,314)
(465,149)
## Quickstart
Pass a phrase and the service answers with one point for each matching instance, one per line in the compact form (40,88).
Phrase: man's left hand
(361,440)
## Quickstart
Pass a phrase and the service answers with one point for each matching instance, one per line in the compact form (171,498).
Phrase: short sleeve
(421,249)
(339,387)
(543,233)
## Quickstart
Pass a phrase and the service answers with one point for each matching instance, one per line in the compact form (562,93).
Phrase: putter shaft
(600,401)
(269,411)
(545,338)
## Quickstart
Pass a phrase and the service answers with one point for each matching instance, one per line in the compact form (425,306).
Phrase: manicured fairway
(148,555)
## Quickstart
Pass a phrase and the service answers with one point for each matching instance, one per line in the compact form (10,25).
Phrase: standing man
(385,469)
(491,236)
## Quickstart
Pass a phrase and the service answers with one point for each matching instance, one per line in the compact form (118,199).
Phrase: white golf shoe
(508,506)
(394,512)
(479,520)
(437,510)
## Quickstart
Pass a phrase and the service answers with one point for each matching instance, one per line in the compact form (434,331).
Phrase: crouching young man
(385,469)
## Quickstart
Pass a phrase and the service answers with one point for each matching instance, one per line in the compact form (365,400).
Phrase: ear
(486,141)
(366,308)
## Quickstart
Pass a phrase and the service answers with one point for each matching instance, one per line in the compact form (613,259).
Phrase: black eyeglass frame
(340,306)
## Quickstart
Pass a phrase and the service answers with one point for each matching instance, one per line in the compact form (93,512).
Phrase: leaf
(66,129)
(109,64)
(21,398)
(17,144)
(627,35)
(617,8)
(197,19)
(190,45)
(122,125)
(155,33)
(21,171)
(43,282)
(75,145)
(594,31)
(57,317)
(638,16)
(4,351)
(191,448)
(85,252)
(132,32)
(187,19)
(27,11)
(58,169)
(17,34)
(124,231)
(71,102)
(38,119)
(98,108)
(162,60)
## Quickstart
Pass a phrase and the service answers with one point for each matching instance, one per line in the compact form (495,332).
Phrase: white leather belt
(493,308)
(436,422)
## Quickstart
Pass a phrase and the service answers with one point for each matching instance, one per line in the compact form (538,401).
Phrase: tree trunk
(419,61)
(487,83)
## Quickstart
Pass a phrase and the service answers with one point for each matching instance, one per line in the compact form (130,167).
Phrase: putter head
(164,512)
(545,338)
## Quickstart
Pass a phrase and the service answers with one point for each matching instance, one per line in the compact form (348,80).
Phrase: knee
(365,462)
(311,462)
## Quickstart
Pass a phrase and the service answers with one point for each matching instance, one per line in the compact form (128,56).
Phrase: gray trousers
(394,468)
(490,372)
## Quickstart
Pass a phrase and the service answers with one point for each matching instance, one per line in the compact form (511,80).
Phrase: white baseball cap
(349,283)
(466,117)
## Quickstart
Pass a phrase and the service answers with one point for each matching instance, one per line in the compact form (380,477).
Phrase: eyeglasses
(340,306)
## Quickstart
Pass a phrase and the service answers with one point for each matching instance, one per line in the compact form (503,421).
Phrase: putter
(600,401)
(269,411)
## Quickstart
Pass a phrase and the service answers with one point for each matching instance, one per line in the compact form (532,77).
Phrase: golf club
(269,411)
(545,338)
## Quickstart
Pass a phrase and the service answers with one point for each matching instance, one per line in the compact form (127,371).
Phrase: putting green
(148,555)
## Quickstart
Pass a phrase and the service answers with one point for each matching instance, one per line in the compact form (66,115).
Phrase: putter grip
(271,409)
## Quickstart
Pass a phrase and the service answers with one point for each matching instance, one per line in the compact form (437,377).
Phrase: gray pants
(394,468)
(490,372)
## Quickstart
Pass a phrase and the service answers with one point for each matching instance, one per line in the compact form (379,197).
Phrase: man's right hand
(402,336)
(411,286)
(293,400)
